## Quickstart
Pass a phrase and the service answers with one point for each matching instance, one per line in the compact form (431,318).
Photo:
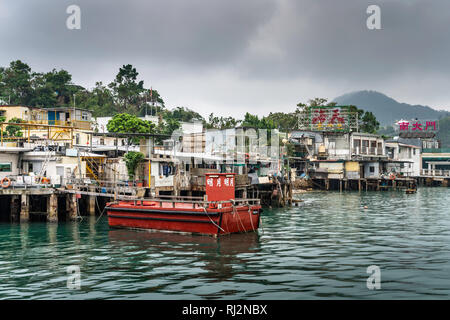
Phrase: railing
(79,124)
(375,151)
(197,202)
(436,172)
(26,181)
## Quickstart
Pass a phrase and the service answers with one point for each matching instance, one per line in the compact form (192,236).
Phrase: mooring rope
(212,220)
(101,214)
(250,216)
(78,210)
(237,213)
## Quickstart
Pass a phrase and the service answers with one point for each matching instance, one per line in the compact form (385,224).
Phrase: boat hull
(209,221)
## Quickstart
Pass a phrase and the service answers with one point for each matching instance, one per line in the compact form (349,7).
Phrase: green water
(318,250)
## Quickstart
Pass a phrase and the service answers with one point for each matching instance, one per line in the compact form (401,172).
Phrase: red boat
(219,213)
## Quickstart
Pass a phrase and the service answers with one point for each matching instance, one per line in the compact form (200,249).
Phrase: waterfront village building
(22,165)
(403,158)
(436,162)
(351,155)
(47,151)
(200,152)
(75,123)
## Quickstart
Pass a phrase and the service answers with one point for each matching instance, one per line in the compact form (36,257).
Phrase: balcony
(435,173)
(77,124)
(370,151)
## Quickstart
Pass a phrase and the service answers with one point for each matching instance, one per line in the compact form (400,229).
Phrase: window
(372,169)
(5,167)
(85,116)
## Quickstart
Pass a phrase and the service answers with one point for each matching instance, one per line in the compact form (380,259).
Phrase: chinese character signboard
(417,128)
(220,186)
(326,118)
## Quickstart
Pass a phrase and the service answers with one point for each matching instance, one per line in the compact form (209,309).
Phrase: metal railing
(436,172)
(79,124)
(373,151)
(197,202)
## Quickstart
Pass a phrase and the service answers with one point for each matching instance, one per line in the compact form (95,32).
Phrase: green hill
(388,110)
(444,132)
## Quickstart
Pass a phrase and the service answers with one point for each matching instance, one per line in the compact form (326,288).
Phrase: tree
(127,90)
(369,123)
(60,82)
(15,85)
(182,114)
(253,121)
(284,121)
(128,123)
(99,100)
(220,122)
(132,159)
(14,130)
(151,102)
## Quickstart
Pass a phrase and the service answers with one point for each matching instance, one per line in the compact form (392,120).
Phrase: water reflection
(218,255)
(321,249)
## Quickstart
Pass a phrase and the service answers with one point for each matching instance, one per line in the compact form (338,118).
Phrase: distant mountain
(386,109)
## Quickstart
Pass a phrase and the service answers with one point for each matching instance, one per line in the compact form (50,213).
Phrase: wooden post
(340,185)
(72,206)
(24,208)
(52,208)
(91,202)
(15,208)
(359,185)
(290,193)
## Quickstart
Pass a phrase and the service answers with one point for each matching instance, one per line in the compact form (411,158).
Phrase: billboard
(328,118)
(417,128)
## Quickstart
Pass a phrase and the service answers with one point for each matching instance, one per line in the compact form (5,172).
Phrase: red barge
(218,213)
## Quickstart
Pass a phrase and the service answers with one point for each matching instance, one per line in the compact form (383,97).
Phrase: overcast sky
(233,56)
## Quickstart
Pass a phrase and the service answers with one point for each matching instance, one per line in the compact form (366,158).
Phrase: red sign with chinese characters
(329,119)
(220,186)
(418,126)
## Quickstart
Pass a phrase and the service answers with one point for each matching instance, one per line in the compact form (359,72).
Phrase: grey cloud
(235,56)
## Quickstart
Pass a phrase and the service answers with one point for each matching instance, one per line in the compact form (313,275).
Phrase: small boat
(409,191)
(218,213)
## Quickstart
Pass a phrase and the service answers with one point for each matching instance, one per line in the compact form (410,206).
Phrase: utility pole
(74,112)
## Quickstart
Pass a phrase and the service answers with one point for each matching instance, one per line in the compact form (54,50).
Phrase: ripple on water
(319,250)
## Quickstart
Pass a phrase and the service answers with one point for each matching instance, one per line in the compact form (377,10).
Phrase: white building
(403,158)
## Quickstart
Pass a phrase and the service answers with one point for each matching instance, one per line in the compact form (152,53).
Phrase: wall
(352,169)
(12,158)
(368,174)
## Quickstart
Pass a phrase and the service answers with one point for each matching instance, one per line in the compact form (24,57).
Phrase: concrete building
(403,158)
